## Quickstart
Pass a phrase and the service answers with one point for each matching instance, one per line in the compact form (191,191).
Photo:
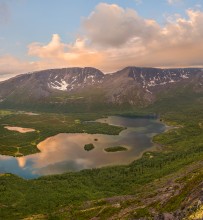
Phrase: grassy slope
(60,196)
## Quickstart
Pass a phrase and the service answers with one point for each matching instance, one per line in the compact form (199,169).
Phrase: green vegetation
(92,100)
(115,149)
(14,143)
(142,212)
(4,112)
(175,202)
(158,182)
(89,147)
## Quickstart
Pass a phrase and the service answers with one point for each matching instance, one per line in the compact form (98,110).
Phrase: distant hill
(132,86)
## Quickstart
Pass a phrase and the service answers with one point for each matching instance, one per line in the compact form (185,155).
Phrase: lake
(65,152)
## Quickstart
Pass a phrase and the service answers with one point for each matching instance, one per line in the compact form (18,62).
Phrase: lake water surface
(19,129)
(65,152)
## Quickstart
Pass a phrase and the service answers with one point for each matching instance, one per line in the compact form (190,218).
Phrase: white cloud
(111,25)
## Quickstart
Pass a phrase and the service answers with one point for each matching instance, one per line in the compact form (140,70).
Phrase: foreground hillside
(166,184)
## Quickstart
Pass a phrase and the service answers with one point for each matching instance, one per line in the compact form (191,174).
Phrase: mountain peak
(133,85)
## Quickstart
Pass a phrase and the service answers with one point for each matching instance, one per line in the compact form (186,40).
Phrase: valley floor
(160,184)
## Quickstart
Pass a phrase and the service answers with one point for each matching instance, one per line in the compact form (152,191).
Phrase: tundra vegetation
(89,147)
(167,180)
(115,149)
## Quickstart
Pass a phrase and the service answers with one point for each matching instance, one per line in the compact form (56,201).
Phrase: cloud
(58,54)
(111,25)
(114,37)
(133,40)
(10,65)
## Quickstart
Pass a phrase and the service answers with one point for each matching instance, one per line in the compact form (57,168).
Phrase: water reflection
(19,129)
(65,152)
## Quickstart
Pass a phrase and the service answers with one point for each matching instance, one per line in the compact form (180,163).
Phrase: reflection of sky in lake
(65,152)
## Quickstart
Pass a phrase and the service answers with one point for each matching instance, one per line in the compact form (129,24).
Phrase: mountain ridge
(136,86)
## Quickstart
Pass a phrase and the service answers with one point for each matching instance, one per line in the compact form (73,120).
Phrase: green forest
(105,192)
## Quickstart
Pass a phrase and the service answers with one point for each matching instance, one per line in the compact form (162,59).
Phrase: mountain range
(134,86)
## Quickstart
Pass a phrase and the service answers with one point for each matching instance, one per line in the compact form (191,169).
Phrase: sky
(108,35)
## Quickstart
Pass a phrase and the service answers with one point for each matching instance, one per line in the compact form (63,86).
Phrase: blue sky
(23,22)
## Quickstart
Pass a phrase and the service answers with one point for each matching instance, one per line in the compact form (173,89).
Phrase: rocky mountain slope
(131,85)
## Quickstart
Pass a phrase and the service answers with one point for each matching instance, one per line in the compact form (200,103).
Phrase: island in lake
(115,149)
(89,147)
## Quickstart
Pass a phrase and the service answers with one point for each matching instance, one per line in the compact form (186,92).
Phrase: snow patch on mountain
(69,81)
(59,85)
(151,77)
